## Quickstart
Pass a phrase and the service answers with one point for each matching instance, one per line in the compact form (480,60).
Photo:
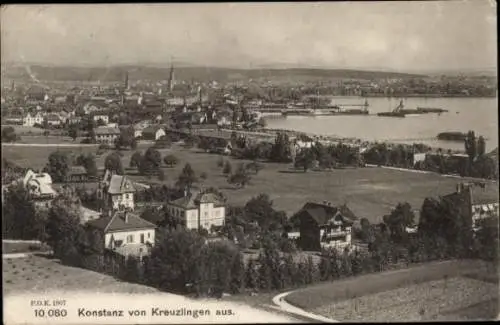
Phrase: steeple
(126,81)
(171,77)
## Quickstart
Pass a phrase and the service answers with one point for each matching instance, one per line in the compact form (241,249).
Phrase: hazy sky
(404,36)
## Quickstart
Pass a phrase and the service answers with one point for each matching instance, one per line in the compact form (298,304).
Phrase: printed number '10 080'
(51,313)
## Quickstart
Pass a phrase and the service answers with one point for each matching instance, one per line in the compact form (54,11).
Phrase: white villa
(199,210)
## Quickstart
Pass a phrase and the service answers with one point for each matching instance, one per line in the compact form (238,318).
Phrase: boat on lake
(452,136)
(397,112)
(431,110)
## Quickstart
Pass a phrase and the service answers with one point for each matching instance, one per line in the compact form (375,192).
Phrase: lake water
(477,114)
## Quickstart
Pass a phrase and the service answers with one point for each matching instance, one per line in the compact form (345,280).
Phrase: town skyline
(405,37)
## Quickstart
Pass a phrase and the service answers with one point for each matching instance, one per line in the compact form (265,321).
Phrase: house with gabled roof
(106,134)
(117,192)
(323,225)
(39,187)
(199,210)
(153,132)
(125,233)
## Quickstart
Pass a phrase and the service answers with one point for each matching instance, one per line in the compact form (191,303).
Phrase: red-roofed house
(126,233)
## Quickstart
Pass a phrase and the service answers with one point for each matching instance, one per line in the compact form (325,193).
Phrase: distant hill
(117,73)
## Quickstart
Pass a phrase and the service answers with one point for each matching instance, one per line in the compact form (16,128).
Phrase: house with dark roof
(117,192)
(323,225)
(199,210)
(77,174)
(125,233)
(475,201)
(153,133)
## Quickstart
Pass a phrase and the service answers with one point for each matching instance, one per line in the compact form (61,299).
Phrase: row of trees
(479,164)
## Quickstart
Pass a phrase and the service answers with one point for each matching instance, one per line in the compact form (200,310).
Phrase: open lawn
(369,192)
(445,290)
(41,274)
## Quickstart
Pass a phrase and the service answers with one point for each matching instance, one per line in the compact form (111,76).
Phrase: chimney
(325,202)
(329,204)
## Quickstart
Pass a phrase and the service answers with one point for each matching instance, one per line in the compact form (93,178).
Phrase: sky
(394,36)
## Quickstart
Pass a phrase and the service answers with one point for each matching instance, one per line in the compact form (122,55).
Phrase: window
(130,238)
(142,238)
(149,235)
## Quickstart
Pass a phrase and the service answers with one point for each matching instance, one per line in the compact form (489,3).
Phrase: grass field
(369,192)
(22,247)
(400,295)
(40,274)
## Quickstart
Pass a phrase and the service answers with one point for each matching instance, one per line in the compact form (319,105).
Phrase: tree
(305,159)
(281,151)
(64,233)
(175,261)
(135,160)
(20,219)
(113,163)
(252,275)
(58,166)
(187,177)
(101,122)
(73,131)
(227,168)
(89,126)
(151,162)
(471,147)
(89,163)
(366,231)
(170,160)
(9,134)
(163,142)
(240,177)
(237,282)
(399,219)
(481,146)
(126,139)
(260,209)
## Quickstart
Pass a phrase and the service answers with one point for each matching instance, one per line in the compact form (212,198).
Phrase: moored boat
(431,110)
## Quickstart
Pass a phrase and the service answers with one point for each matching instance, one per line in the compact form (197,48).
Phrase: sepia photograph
(253,162)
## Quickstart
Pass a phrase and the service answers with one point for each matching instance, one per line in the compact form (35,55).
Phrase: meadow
(369,192)
(451,290)
(41,274)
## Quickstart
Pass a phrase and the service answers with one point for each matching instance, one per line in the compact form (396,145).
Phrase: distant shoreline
(425,96)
